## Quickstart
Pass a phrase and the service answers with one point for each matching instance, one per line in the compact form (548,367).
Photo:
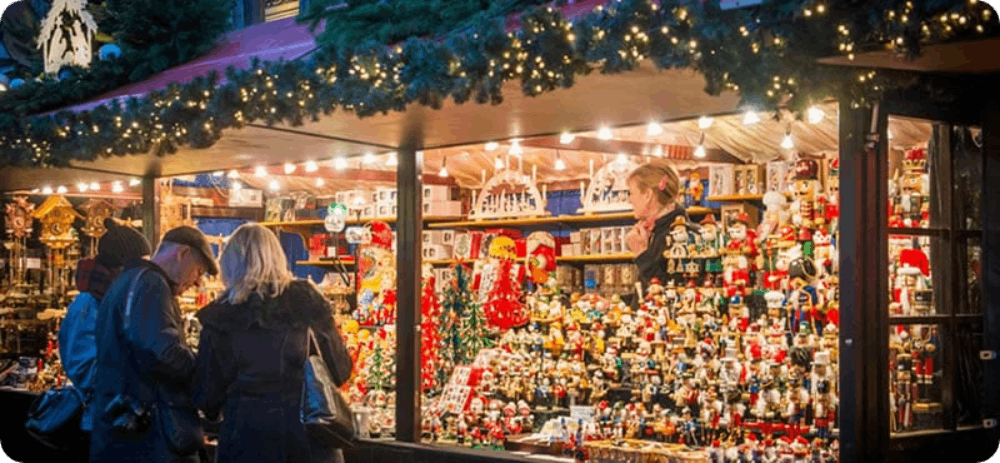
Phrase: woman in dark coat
(653,191)
(252,349)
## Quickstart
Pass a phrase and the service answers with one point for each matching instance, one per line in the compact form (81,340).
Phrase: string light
(95,186)
(320,182)
(134,182)
(787,142)
(340,163)
(443,173)
(654,129)
(699,151)
(604,133)
(234,174)
(289,168)
(492,145)
(704,122)
(260,171)
(392,161)
(566,138)
(560,164)
(815,115)
(274,186)
(61,189)
(497,163)
(82,187)
(311,166)
(750,118)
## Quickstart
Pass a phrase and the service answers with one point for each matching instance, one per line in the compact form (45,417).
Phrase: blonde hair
(660,177)
(252,262)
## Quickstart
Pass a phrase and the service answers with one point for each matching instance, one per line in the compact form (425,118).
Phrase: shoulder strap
(128,301)
(313,344)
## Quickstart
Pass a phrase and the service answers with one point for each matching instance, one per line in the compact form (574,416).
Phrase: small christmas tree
(454,306)
(503,308)
(430,338)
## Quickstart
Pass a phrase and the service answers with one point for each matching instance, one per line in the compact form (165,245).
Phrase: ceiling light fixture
(699,151)
(622,158)
(515,148)
(260,171)
(340,163)
(47,190)
(787,142)
(750,118)
(95,186)
(82,187)
(654,129)
(444,168)
(604,133)
(134,182)
(237,186)
(368,159)
(566,138)
(704,122)
(61,190)
(560,164)
(392,161)
(218,173)
(311,166)
(815,115)
(117,187)
(274,186)
(234,174)
(492,145)
(320,182)
(289,168)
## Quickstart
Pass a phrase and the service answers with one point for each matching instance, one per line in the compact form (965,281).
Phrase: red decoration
(430,337)
(503,308)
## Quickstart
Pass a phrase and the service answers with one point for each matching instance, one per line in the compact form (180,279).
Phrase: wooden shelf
(735,198)
(596,258)
(350,221)
(561,219)
(327,263)
(698,210)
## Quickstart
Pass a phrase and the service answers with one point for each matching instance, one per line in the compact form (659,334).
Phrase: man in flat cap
(144,367)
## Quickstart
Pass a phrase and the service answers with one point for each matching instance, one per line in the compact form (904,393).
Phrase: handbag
(324,412)
(54,417)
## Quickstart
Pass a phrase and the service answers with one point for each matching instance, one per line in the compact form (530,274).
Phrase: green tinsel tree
(463,325)
(376,368)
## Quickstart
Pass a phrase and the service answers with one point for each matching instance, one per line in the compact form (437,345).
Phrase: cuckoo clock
(57,216)
(19,227)
(96,210)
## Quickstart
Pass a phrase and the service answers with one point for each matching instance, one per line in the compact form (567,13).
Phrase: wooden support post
(151,210)
(409,225)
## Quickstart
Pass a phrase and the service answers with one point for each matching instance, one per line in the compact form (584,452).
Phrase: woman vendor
(653,190)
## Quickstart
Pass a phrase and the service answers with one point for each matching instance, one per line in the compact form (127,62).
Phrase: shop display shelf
(597,258)
(328,263)
(560,219)
(735,198)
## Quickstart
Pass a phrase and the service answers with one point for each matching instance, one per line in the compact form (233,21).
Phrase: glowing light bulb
(787,142)
(705,122)
(237,186)
(815,115)
(750,118)
(311,166)
(622,158)
(95,186)
(560,164)
(320,182)
(658,151)
(340,163)
(699,152)
(218,173)
(566,137)
(233,174)
(369,158)
(274,186)
(117,187)
(497,163)
(289,168)
(654,129)
(260,171)
(47,190)
(61,190)
(604,133)
(444,169)
(492,145)
(134,182)
(392,161)
(515,149)
(82,187)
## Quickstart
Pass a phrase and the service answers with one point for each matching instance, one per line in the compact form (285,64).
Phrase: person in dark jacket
(141,353)
(252,349)
(653,190)
(77,343)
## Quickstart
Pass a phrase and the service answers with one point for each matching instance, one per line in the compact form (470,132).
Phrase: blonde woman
(253,345)
(653,190)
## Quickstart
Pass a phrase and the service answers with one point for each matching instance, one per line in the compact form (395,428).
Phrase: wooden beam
(594,145)
(151,210)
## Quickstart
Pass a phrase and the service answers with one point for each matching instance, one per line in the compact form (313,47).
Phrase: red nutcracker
(804,191)
(922,354)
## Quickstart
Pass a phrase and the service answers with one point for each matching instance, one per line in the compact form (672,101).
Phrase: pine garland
(766,54)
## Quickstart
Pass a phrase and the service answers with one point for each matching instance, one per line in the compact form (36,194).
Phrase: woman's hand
(637,239)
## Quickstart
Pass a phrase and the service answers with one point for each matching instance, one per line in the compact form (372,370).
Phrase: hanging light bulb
(392,161)
(704,122)
(260,171)
(117,187)
(218,173)
(604,133)
(274,186)
(233,174)
(47,190)
(492,145)
(237,185)
(750,118)
(95,186)
(699,151)
(497,163)
(311,166)
(368,159)
(815,115)
(515,148)
(566,138)
(36,191)
(787,142)
(82,187)
(622,158)
(289,168)
(654,129)
(340,163)
(560,164)
(134,182)
(320,182)
(658,151)
(61,190)
(444,168)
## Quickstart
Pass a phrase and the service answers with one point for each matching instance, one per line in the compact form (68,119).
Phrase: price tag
(581,412)
(34,263)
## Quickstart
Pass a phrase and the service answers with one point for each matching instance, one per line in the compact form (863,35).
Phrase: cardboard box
(385,195)
(443,208)
(575,237)
(437,193)
(448,237)
(572,249)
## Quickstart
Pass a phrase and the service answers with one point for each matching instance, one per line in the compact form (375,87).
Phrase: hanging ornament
(66,34)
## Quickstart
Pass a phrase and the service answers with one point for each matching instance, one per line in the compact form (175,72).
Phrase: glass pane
(911,278)
(968,395)
(917,150)
(915,378)
(968,173)
(970,277)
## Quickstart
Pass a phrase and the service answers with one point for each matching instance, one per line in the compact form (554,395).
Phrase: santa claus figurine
(912,278)
(541,247)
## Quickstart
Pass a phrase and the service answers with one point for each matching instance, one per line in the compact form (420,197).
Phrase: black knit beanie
(120,244)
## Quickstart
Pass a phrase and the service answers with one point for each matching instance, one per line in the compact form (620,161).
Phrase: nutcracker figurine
(708,245)
(912,280)
(803,298)
(914,189)
(741,255)
(680,244)
(925,348)
(804,191)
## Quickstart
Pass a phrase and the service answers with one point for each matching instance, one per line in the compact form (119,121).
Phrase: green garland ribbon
(766,53)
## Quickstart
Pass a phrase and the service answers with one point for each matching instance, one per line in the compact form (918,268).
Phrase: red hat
(709,283)
(806,169)
(915,160)
(742,217)
(709,219)
(654,281)
(835,168)
(381,234)
(691,284)
(911,260)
